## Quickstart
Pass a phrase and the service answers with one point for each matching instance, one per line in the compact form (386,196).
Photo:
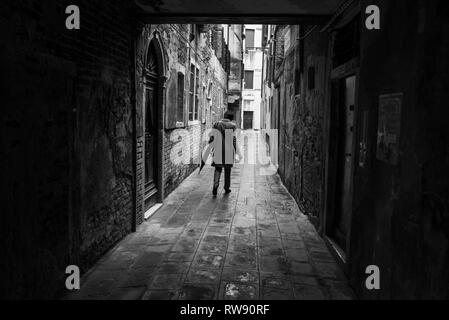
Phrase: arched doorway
(151,125)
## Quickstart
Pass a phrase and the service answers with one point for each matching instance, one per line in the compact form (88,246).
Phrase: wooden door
(151,143)
(345,163)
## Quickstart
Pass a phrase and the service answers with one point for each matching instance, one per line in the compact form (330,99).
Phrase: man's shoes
(214,191)
(228,191)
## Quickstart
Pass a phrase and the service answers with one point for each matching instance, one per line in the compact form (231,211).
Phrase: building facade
(252,84)
(268,115)
(234,38)
(182,90)
(352,128)
(123,99)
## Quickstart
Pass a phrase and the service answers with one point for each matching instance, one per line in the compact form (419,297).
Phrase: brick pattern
(174,174)
(139,179)
(176,56)
(103,72)
(117,216)
(70,95)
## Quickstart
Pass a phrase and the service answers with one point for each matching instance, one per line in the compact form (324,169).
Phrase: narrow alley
(253,243)
(329,117)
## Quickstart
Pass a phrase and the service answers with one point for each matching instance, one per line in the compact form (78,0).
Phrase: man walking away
(224,150)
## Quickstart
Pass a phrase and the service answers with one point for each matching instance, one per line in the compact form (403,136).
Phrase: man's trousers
(227,177)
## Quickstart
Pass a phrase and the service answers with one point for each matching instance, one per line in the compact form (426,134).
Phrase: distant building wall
(253,61)
(235,80)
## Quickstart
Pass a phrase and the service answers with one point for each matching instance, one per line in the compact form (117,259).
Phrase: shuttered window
(249,79)
(192,92)
(180,105)
(249,38)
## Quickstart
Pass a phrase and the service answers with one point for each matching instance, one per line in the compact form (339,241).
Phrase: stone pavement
(251,244)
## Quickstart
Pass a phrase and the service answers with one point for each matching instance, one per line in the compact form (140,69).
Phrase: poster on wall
(389,128)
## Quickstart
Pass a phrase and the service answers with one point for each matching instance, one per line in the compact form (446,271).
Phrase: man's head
(229,115)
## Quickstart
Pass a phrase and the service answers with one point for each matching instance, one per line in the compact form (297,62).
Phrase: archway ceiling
(236,11)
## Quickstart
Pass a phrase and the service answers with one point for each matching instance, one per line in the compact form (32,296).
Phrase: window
(209,92)
(346,43)
(180,102)
(193,33)
(203,109)
(197,86)
(193,93)
(217,102)
(249,38)
(287,40)
(249,79)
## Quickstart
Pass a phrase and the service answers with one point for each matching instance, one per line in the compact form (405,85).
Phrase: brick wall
(177,59)
(104,126)
(68,127)
(174,173)
(67,124)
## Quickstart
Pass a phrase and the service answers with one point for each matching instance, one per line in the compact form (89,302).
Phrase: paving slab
(251,244)
(238,291)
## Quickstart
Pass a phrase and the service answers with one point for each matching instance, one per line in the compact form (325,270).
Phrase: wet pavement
(253,243)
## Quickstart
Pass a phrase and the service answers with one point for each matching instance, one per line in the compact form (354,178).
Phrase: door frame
(151,83)
(351,68)
(139,121)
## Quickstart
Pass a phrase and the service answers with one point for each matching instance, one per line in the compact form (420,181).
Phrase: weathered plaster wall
(301,154)
(400,218)
(236,72)
(312,122)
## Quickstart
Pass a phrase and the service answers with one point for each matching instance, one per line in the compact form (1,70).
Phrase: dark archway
(152,125)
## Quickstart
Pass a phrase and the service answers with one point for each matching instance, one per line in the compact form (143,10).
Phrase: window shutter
(171,103)
(180,101)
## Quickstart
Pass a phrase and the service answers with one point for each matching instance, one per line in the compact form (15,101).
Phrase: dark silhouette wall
(66,123)
(401,217)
